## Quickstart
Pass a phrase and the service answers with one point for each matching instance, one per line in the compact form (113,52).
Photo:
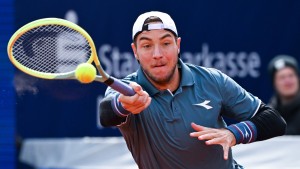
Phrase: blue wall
(237,37)
(7,95)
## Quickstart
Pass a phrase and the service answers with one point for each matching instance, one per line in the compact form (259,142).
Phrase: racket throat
(109,81)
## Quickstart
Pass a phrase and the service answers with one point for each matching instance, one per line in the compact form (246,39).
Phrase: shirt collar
(187,79)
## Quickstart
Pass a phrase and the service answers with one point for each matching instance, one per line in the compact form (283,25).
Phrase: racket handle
(121,87)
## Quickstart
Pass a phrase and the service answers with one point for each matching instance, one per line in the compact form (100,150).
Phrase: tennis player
(175,119)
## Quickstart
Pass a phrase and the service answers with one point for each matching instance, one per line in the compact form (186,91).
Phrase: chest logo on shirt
(204,104)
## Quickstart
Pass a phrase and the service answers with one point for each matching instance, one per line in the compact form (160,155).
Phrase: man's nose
(157,52)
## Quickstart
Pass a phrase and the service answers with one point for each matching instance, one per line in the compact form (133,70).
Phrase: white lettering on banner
(116,63)
(71,15)
(234,64)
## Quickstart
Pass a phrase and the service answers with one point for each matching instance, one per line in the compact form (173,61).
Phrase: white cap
(167,23)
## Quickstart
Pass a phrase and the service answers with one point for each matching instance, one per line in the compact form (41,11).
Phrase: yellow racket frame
(61,22)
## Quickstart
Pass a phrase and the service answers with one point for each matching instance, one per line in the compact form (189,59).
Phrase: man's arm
(107,116)
(268,122)
(265,124)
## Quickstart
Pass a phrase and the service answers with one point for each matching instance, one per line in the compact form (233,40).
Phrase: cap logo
(153,26)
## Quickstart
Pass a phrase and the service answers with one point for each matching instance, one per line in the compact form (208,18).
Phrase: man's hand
(214,136)
(136,103)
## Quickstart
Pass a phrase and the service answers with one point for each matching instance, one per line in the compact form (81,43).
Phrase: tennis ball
(85,73)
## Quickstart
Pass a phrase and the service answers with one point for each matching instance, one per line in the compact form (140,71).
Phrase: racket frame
(114,83)
(66,75)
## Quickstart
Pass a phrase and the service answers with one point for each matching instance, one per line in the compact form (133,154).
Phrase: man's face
(286,82)
(157,52)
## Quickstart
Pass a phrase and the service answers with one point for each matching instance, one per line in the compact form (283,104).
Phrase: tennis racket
(52,48)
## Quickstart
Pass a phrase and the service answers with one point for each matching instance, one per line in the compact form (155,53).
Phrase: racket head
(52,48)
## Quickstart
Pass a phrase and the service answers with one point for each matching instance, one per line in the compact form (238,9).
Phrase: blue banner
(237,37)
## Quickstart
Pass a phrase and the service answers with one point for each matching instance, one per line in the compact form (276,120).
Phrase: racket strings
(51,49)
(28,51)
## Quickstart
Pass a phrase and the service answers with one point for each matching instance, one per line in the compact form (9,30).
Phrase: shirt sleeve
(237,103)
(117,109)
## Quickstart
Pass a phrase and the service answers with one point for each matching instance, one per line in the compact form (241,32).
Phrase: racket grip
(121,87)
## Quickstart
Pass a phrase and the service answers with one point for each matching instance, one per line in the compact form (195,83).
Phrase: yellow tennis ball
(85,73)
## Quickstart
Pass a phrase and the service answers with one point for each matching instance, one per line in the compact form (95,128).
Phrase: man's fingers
(213,136)
(200,130)
(128,99)
(214,140)
(197,127)
(226,152)
(200,133)
(137,109)
(137,88)
(208,136)
(137,99)
(220,141)
(136,103)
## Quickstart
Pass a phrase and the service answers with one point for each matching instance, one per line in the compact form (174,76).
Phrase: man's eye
(146,46)
(166,43)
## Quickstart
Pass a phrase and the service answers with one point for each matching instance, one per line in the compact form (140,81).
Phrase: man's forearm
(107,115)
(268,122)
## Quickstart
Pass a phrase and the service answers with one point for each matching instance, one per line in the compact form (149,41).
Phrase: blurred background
(237,37)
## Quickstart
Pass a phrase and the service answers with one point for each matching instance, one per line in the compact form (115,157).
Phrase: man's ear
(178,44)
(134,51)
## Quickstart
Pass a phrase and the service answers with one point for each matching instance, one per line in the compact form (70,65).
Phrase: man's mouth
(158,65)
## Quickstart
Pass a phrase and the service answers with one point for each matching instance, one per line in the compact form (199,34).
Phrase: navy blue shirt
(158,137)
